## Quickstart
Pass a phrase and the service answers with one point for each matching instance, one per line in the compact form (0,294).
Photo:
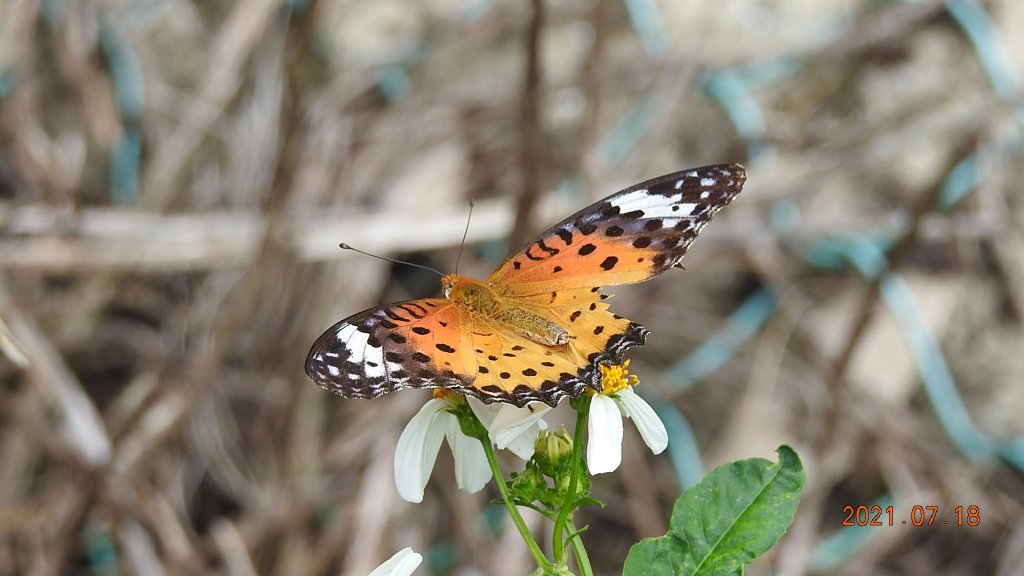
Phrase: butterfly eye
(447,287)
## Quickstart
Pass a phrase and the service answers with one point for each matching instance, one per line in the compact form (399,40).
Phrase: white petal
(604,435)
(646,419)
(485,413)
(524,445)
(401,564)
(513,422)
(472,472)
(417,449)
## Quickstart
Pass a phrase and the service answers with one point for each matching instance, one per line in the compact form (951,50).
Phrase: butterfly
(538,328)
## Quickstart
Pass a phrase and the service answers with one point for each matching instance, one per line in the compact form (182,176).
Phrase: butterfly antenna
(344,246)
(465,233)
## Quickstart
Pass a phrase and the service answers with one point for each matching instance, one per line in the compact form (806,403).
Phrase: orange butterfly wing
(628,237)
(415,344)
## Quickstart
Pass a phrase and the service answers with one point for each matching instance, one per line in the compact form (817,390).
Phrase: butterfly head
(471,293)
(459,288)
(448,285)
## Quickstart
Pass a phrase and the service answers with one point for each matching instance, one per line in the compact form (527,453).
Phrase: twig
(531,144)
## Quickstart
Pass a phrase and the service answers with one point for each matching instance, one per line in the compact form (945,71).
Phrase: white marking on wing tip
(684,210)
(376,371)
(707,182)
(329,354)
(692,173)
(679,183)
(357,345)
(345,332)
(334,370)
(652,205)
(704,195)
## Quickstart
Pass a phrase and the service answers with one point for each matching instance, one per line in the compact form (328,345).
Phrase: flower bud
(554,447)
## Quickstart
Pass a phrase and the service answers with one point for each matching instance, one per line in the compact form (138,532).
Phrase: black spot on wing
(414,309)
(653,225)
(609,210)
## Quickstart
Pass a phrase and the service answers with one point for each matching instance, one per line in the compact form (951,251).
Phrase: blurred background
(175,178)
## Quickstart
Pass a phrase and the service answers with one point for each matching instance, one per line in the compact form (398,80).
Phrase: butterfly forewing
(628,237)
(414,344)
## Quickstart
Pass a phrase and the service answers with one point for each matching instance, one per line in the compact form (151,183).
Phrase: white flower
(401,564)
(604,428)
(416,453)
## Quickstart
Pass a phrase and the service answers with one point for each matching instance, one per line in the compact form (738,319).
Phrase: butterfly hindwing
(434,343)
(517,370)
(628,237)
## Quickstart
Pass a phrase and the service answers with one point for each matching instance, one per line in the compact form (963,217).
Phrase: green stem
(581,553)
(517,519)
(565,514)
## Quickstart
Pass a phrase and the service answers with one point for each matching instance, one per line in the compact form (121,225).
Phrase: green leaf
(734,515)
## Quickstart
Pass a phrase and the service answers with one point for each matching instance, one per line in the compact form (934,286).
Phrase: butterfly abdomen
(534,326)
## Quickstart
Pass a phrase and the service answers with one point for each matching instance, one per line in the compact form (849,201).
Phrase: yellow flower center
(616,378)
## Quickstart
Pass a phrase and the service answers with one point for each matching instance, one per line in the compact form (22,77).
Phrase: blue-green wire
(744,323)
(991,51)
(627,131)
(683,450)
(129,92)
(645,17)
(99,548)
(743,110)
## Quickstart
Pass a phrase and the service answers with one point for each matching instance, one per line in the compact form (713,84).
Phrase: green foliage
(735,514)
(545,485)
